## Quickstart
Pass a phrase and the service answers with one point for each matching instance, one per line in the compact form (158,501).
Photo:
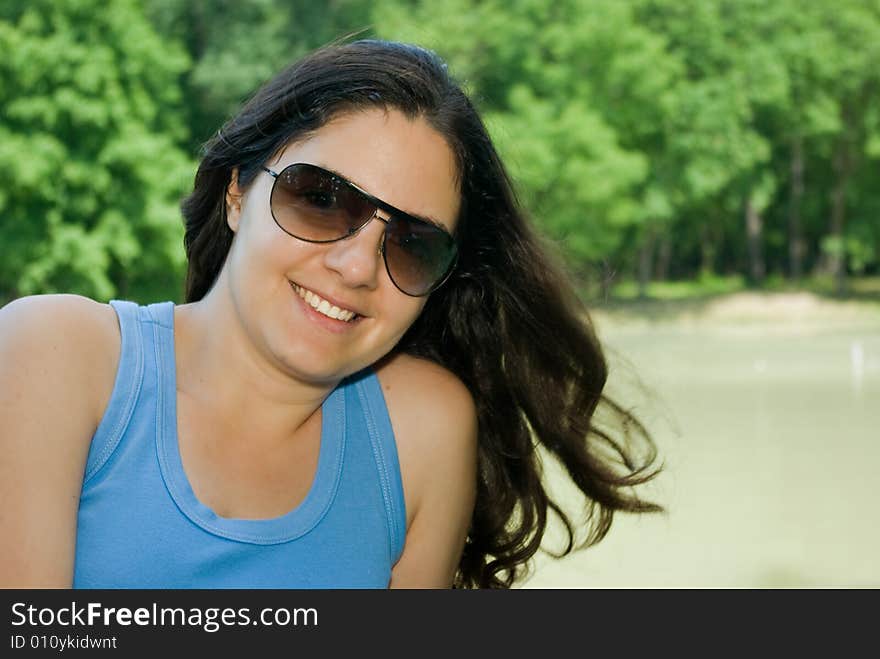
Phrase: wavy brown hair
(508,322)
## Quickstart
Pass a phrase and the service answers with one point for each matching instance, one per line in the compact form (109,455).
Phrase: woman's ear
(233,202)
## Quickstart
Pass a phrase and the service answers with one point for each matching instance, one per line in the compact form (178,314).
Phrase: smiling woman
(331,252)
(372,347)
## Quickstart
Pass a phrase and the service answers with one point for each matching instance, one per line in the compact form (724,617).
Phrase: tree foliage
(89,148)
(659,138)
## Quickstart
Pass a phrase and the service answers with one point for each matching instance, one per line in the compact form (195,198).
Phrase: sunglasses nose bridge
(376,216)
(383,220)
(373,216)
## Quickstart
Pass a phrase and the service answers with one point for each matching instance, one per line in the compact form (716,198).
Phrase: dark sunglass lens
(312,204)
(358,208)
(418,255)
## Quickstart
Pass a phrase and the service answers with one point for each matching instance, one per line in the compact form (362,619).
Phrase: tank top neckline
(289,526)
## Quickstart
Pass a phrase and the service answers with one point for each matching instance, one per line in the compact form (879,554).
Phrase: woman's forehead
(403,161)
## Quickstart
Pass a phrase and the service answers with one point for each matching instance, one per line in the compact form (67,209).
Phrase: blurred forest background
(708,145)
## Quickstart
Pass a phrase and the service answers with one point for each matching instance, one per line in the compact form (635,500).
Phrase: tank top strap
(127,386)
(162,314)
(384,447)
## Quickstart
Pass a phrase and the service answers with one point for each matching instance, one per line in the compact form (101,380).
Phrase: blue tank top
(141,526)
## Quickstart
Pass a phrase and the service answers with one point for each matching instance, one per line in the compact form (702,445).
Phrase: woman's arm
(54,374)
(435,426)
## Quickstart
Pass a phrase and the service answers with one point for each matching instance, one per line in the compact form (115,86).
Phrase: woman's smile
(326,313)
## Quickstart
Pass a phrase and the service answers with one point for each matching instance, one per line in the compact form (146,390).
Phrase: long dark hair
(508,322)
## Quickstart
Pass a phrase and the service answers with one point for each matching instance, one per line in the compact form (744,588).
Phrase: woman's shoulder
(57,357)
(64,338)
(64,318)
(435,426)
(416,379)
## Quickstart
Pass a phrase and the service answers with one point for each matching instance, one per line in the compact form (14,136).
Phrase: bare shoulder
(435,425)
(67,339)
(58,355)
(66,308)
(426,389)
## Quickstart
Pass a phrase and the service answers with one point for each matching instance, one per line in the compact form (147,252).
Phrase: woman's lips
(315,298)
(349,318)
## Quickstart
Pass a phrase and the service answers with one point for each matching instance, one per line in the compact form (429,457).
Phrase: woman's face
(403,162)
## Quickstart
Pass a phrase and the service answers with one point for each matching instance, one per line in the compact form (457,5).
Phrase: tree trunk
(796,246)
(707,251)
(646,260)
(754,236)
(837,258)
(664,257)
(606,281)
(198,31)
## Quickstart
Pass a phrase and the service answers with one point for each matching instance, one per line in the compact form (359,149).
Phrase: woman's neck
(220,368)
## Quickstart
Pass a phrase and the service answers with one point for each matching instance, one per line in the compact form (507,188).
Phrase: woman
(373,345)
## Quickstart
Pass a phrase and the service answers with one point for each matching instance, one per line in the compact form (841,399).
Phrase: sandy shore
(745,311)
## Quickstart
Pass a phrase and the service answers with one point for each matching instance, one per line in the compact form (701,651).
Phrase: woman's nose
(358,258)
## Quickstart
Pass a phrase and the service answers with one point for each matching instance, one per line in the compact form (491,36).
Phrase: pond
(771,439)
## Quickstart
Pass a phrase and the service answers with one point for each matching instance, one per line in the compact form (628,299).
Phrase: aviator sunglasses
(319,206)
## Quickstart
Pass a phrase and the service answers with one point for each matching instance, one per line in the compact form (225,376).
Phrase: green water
(771,438)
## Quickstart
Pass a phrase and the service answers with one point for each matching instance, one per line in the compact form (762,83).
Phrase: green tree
(236,46)
(89,146)
(578,97)
(795,91)
(852,78)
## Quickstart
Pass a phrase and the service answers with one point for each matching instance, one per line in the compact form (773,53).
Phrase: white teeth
(322,306)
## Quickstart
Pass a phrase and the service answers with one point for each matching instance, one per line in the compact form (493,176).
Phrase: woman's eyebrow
(431,221)
(421,218)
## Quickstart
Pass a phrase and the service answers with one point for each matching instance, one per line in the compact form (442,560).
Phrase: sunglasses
(319,206)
